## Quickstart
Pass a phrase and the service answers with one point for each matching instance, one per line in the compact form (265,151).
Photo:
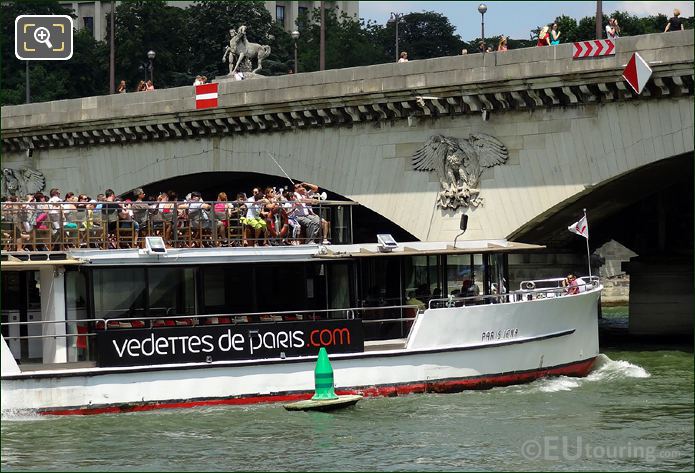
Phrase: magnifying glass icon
(42,35)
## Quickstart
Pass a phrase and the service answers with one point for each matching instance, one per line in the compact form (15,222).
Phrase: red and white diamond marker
(637,73)
(206,96)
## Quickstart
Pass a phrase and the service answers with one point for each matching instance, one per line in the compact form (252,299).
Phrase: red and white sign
(595,48)
(637,73)
(206,96)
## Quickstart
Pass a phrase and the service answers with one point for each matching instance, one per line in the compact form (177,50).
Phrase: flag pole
(588,255)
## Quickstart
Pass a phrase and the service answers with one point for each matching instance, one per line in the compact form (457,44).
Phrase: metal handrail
(92,226)
(32,322)
(66,335)
(348,311)
(447,302)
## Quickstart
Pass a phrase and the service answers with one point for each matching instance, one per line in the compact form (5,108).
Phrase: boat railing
(528,290)
(379,323)
(60,226)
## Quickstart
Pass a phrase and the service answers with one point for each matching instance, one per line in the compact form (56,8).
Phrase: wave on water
(604,369)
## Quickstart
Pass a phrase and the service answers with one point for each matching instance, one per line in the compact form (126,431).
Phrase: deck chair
(41,239)
(126,234)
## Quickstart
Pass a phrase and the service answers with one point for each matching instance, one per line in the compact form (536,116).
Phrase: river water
(633,412)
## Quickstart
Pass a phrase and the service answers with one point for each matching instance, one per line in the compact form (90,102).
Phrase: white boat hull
(449,349)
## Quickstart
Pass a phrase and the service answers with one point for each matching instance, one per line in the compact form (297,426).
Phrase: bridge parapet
(513,80)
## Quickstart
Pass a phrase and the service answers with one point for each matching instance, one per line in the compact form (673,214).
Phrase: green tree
(586,28)
(568,28)
(423,35)
(349,42)
(48,78)
(207,32)
(151,25)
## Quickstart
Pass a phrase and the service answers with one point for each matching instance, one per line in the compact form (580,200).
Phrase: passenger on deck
(412,300)
(253,219)
(310,222)
(112,211)
(140,209)
(197,212)
(312,191)
(571,283)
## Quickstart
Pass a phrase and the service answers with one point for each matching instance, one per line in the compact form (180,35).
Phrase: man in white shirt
(305,216)
(55,210)
(312,192)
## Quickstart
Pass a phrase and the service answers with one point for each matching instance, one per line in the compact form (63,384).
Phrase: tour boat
(89,331)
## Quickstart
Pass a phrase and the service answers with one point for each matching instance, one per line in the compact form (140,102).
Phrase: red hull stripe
(579,368)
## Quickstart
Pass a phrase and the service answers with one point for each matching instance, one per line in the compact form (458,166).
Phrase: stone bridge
(571,127)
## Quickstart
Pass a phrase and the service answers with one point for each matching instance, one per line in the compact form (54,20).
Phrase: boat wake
(604,369)
(21,415)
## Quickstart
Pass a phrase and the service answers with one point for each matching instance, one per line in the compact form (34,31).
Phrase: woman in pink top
(149,86)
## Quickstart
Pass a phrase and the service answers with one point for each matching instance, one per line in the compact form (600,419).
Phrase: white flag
(581,228)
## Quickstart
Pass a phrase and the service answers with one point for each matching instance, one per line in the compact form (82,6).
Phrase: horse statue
(244,50)
(228,55)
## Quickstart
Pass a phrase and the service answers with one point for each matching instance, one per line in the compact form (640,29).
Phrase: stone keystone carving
(459,163)
(21,182)
(245,51)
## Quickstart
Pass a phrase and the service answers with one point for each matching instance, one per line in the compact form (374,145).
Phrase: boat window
(497,283)
(227,290)
(76,308)
(464,275)
(119,292)
(21,302)
(421,276)
(380,282)
(338,286)
(171,291)
(282,287)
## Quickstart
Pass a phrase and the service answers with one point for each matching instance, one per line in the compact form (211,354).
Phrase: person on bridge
(612,29)
(404,57)
(121,88)
(554,35)
(543,37)
(502,45)
(674,23)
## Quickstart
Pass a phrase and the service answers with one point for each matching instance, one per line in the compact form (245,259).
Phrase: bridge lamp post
(396,18)
(150,55)
(295,37)
(482,8)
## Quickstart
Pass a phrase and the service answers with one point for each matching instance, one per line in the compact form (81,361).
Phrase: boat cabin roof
(180,256)
(425,248)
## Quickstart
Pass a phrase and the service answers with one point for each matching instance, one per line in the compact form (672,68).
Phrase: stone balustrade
(513,80)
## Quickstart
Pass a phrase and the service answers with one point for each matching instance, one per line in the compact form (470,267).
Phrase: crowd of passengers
(266,217)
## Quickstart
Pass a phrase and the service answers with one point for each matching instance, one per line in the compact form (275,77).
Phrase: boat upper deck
(13,260)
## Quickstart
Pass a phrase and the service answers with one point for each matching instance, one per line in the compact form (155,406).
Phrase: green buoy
(324,398)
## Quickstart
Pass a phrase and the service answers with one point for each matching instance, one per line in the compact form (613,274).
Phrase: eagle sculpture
(459,163)
(21,182)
